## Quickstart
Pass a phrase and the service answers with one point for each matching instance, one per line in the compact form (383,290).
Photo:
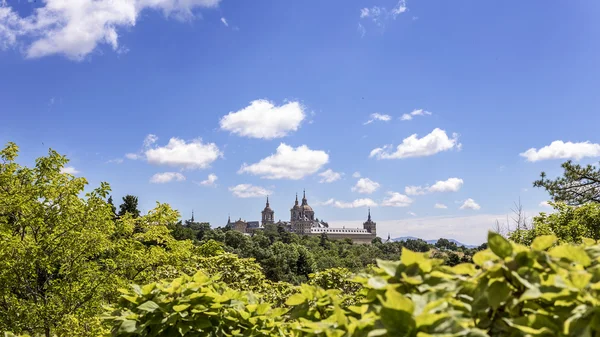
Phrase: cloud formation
(378,117)
(329,176)
(288,163)
(210,181)
(379,15)
(561,150)
(188,155)
(470,204)
(366,202)
(412,146)
(249,191)
(74,28)
(166,177)
(449,185)
(396,199)
(416,112)
(440,206)
(262,119)
(365,186)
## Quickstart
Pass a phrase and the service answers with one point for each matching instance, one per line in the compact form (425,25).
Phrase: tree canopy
(578,185)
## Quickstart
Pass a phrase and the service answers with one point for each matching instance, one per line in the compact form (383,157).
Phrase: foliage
(577,186)
(550,289)
(567,223)
(129,205)
(54,270)
(62,252)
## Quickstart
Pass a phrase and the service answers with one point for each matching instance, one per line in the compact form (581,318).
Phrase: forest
(72,264)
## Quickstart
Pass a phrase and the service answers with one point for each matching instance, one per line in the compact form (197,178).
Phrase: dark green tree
(112,205)
(577,186)
(129,205)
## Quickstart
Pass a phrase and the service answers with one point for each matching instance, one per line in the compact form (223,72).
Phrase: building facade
(303,222)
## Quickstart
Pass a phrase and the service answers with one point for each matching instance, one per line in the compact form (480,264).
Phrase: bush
(549,289)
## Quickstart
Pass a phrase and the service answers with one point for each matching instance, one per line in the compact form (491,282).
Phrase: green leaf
(409,257)
(571,253)
(499,245)
(180,307)
(464,269)
(543,242)
(390,267)
(396,301)
(480,258)
(127,326)
(498,292)
(295,299)
(148,306)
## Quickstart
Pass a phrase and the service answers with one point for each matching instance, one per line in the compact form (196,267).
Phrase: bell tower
(268,215)
(370,225)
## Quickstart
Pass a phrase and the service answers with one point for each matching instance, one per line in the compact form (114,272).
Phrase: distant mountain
(432,242)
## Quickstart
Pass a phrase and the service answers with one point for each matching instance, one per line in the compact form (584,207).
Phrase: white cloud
(288,163)
(133,156)
(356,175)
(545,204)
(249,191)
(165,177)
(188,155)
(416,112)
(414,190)
(210,181)
(399,8)
(224,22)
(440,206)
(150,140)
(329,176)
(69,170)
(361,30)
(561,150)
(115,161)
(74,28)
(470,204)
(449,185)
(411,213)
(396,199)
(379,15)
(366,202)
(262,119)
(365,186)
(378,117)
(435,142)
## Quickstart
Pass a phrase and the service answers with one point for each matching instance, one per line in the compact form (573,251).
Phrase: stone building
(303,222)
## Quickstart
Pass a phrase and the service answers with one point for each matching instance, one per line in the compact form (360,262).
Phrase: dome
(307,208)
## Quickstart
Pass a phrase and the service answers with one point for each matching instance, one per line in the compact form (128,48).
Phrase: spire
(267,201)
(296,199)
(303,197)
(388,236)
(228,219)
(369,219)
(192,215)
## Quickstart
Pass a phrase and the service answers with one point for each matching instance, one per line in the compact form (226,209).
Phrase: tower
(268,215)
(370,225)
(192,216)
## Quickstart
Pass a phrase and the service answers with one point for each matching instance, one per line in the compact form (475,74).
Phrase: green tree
(54,270)
(577,186)
(568,224)
(112,205)
(129,205)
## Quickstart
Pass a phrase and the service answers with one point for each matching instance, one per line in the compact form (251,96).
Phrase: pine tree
(129,205)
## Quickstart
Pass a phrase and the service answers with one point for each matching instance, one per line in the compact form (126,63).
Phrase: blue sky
(220,85)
